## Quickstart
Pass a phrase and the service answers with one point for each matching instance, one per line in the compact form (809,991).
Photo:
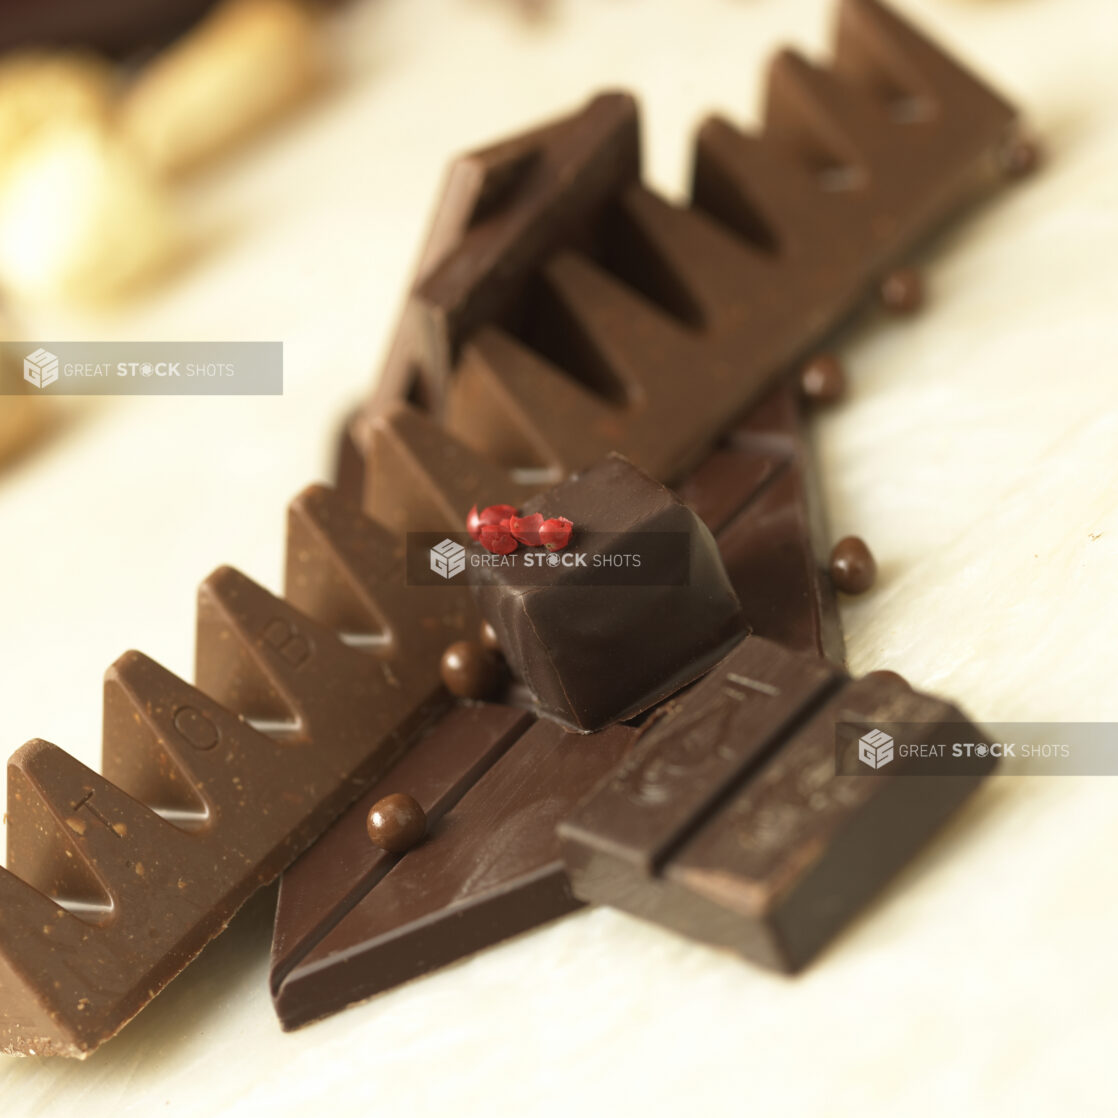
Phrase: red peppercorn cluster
(501,530)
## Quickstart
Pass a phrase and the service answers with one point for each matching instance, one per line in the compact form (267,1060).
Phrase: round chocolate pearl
(853,568)
(1020,157)
(469,671)
(902,291)
(823,379)
(888,676)
(488,638)
(396,823)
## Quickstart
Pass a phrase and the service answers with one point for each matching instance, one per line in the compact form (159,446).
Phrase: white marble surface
(978,453)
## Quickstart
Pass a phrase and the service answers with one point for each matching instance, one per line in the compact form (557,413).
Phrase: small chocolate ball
(853,568)
(1020,157)
(902,291)
(396,823)
(887,676)
(469,671)
(488,638)
(823,379)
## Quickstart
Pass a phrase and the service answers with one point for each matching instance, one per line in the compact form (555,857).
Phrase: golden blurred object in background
(85,215)
(40,90)
(22,420)
(81,218)
(247,63)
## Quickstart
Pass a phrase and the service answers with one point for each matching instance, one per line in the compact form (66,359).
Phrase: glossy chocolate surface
(730,822)
(566,639)
(646,327)
(349,925)
(115,882)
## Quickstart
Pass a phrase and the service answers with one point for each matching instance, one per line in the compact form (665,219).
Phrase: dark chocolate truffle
(396,823)
(853,567)
(469,671)
(823,379)
(592,653)
(902,291)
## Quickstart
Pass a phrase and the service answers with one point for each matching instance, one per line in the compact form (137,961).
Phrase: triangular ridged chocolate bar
(502,209)
(418,477)
(116,882)
(651,327)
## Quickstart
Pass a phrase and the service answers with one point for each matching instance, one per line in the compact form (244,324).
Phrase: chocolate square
(601,641)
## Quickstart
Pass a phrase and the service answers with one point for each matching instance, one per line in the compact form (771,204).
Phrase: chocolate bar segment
(343,865)
(115,882)
(419,477)
(502,211)
(652,327)
(488,870)
(701,744)
(758,492)
(730,822)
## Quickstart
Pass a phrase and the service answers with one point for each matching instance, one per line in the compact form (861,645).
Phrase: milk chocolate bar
(731,822)
(647,328)
(115,882)
(352,921)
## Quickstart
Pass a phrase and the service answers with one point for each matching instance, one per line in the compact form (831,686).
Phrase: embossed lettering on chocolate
(730,822)
(115,882)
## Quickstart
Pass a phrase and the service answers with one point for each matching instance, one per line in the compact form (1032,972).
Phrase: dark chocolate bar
(757,495)
(480,247)
(353,920)
(731,822)
(546,383)
(647,328)
(115,882)
(758,492)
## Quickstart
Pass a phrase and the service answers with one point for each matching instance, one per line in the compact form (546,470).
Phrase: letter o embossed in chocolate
(195,728)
